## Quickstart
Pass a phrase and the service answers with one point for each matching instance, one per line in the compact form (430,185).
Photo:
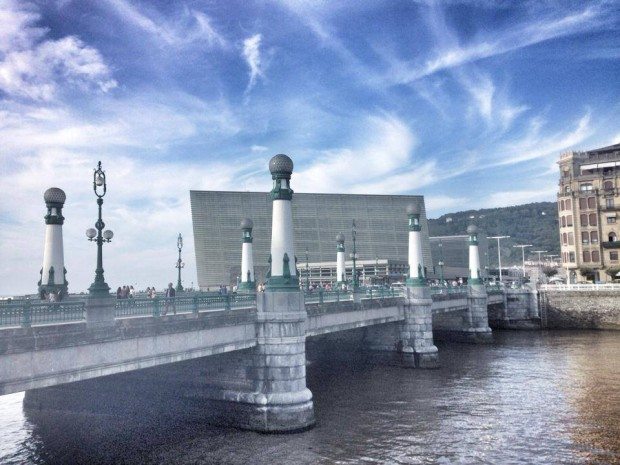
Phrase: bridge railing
(319,296)
(580,287)
(26,312)
(447,290)
(158,306)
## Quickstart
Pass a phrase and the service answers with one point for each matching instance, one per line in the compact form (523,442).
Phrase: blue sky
(467,102)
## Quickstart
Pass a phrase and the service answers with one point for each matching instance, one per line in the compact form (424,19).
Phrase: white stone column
(477,319)
(416,333)
(282,400)
(53,269)
(416,259)
(247,282)
(341,274)
(474,255)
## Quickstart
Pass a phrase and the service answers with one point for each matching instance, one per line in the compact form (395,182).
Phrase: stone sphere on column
(247,223)
(54,195)
(414,209)
(340,238)
(471,229)
(281,165)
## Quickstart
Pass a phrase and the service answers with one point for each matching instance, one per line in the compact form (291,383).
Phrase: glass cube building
(381,222)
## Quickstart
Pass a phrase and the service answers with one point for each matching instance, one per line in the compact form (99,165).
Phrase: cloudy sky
(467,102)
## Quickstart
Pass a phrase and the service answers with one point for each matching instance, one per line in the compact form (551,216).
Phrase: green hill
(532,223)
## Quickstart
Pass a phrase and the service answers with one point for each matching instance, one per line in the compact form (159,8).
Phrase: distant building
(588,205)
(381,222)
(378,271)
(451,256)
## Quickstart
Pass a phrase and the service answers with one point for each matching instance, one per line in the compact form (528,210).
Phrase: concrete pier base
(416,331)
(281,402)
(470,325)
(100,312)
(408,343)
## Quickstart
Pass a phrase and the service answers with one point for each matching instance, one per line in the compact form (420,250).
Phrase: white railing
(580,287)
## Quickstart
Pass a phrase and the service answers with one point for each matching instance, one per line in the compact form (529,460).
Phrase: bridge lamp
(99,287)
(180,264)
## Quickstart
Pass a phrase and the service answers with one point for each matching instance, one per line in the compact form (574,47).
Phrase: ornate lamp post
(180,263)
(354,256)
(307,272)
(99,287)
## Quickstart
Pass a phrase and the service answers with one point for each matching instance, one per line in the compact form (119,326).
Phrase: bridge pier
(416,331)
(100,311)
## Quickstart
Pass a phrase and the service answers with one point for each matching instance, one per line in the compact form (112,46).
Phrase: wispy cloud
(251,53)
(187,27)
(508,40)
(536,143)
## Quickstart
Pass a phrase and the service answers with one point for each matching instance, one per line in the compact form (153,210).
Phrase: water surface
(529,398)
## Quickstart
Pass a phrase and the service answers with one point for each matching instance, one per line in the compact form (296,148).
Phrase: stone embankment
(580,309)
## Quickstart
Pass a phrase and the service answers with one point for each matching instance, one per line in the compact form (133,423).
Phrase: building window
(571,239)
(565,173)
(568,204)
(569,220)
(571,257)
(591,203)
(609,203)
(608,185)
(564,239)
(613,256)
(593,221)
(612,237)
(583,219)
(583,203)
(594,237)
(563,222)
(586,256)
(587,186)
(611,220)
(585,238)
(567,190)
(595,256)
(561,205)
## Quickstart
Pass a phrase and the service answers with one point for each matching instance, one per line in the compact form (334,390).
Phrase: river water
(529,398)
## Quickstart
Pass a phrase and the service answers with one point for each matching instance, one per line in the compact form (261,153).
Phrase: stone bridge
(49,353)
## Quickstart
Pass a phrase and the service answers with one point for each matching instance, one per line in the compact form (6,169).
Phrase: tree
(550,271)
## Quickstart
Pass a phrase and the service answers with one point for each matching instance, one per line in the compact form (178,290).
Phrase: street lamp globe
(108,235)
(91,233)
(99,179)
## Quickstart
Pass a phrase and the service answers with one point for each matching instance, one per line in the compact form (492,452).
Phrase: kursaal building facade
(381,224)
(588,206)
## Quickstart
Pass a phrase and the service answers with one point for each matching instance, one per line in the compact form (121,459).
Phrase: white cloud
(146,205)
(385,146)
(36,69)
(186,28)
(519,197)
(251,53)
(536,145)
(520,36)
(437,203)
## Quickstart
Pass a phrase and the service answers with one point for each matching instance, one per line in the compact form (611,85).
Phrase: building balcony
(611,245)
(610,208)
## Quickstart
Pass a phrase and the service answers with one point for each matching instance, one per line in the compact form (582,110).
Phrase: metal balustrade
(580,287)
(26,312)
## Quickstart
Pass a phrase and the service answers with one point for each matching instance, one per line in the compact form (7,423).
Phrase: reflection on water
(535,398)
